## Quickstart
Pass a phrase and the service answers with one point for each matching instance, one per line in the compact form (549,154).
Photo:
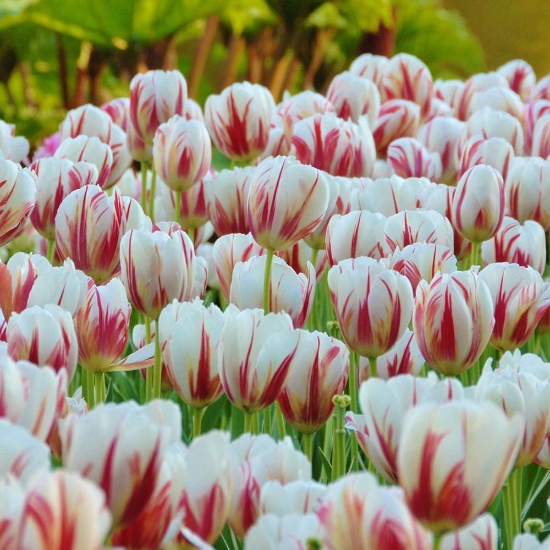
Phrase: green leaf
(116,24)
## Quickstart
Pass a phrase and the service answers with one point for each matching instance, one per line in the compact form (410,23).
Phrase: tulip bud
(182,152)
(409,158)
(520,76)
(397,118)
(370,66)
(478,204)
(155,97)
(238,120)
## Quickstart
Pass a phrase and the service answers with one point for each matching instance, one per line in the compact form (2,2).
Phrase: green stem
(151,211)
(511,499)
(339,437)
(143,198)
(149,370)
(177,207)
(280,421)
(353,390)
(88,386)
(50,253)
(157,368)
(373,370)
(307,445)
(268,412)
(191,233)
(99,379)
(267,280)
(250,422)
(313,319)
(475,254)
(437,541)
(197,421)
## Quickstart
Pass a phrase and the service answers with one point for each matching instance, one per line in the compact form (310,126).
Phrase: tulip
(293,531)
(519,392)
(520,76)
(468,448)
(417,226)
(390,195)
(501,99)
(189,338)
(439,109)
(207,494)
(449,91)
(156,268)
(86,120)
(12,147)
(357,513)
(384,404)
(227,251)
(534,110)
(370,66)
(89,227)
(453,320)
(407,77)
(289,291)
(120,447)
(482,534)
(31,396)
(238,120)
(164,509)
(441,135)
(182,152)
(478,205)
(337,147)
(296,497)
(320,372)
(373,304)
(520,298)
(140,151)
(44,336)
(12,499)
(23,456)
(48,147)
(56,179)
(528,191)
(91,150)
(492,123)
(354,96)
(255,461)
(530,542)
(155,97)
(77,517)
(287,201)
(541,89)
(226,200)
(495,152)
(17,197)
(102,325)
(356,234)
(541,141)
(421,261)
(300,256)
(515,243)
(254,363)
(474,84)
(403,358)
(118,110)
(409,158)
(397,118)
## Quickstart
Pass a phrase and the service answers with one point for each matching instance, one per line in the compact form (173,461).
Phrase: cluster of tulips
(339,342)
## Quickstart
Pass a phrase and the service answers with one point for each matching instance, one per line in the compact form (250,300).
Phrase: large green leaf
(116,23)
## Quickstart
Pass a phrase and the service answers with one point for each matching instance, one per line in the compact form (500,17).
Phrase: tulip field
(335,337)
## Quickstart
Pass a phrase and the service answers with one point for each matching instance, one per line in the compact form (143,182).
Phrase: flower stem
(268,411)
(197,421)
(339,438)
(280,421)
(50,252)
(511,499)
(373,370)
(157,368)
(475,254)
(267,281)
(153,193)
(251,423)
(177,207)
(437,541)
(143,198)
(307,445)
(99,379)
